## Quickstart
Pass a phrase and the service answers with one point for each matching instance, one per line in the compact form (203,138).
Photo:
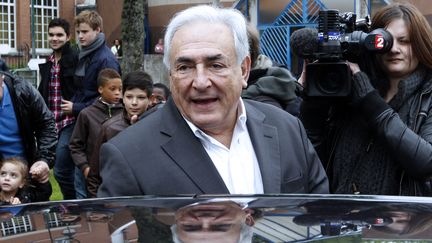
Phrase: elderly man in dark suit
(206,139)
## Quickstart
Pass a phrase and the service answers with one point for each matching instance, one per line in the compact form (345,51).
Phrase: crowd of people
(232,121)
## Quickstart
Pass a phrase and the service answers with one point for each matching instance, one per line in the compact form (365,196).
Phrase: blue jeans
(64,167)
(80,184)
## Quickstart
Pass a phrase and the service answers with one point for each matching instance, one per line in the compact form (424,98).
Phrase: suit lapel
(265,141)
(188,153)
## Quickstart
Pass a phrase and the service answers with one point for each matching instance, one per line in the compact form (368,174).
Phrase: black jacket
(35,192)
(68,64)
(391,130)
(35,121)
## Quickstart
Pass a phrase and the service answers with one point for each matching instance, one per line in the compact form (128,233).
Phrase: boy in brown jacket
(137,91)
(89,123)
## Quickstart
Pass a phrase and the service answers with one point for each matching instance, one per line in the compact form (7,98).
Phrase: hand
(14,200)
(134,119)
(86,172)
(354,67)
(302,78)
(66,106)
(40,171)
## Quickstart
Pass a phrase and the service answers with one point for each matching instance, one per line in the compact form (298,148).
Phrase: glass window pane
(7,22)
(44,12)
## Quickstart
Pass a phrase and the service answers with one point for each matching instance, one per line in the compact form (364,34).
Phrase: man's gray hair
(232,18)
(246,234)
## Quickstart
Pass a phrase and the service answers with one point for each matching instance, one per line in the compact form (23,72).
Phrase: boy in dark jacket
(137,89)
(57,87)
(94,57)
(89,122)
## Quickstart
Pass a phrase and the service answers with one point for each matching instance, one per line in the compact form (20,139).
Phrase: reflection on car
(220,218)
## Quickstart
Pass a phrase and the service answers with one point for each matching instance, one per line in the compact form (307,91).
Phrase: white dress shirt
(237,165)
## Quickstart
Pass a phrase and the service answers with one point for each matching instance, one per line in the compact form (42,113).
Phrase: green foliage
(74,43)
(14,66)
(56,194)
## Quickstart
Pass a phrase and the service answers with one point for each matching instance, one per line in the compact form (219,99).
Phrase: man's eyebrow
(214,57)
(207,59)
(183,60)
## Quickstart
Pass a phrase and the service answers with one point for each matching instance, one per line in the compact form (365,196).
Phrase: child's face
(86,35)
(111,91)
(57,37)
(158,96)
(11,178)
(135,101)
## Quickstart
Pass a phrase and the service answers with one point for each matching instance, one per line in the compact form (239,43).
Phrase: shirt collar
(241,121)
(51,58)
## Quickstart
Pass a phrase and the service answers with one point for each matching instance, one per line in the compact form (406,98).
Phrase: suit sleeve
(118,178)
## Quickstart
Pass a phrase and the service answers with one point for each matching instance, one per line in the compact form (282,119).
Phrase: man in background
(95,55)
(57,87)
(27,126)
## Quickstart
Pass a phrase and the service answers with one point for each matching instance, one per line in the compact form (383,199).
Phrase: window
(44,11)
(53,220)
(7,23)
(16,225)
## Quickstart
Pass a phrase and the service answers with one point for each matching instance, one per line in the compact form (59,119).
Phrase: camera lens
(331,82)
(329,79)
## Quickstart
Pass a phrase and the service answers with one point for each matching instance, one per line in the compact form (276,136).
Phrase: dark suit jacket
(160,155)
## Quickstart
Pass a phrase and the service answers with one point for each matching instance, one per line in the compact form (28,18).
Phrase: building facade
(23,23)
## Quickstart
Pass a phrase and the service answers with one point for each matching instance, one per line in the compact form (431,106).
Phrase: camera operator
(380,141)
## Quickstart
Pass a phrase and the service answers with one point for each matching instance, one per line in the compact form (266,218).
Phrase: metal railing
(20,58)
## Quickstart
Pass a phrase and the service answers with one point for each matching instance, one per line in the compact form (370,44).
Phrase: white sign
(33,64)
(4,49)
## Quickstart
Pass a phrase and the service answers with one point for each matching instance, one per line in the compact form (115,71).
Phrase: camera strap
(423,111)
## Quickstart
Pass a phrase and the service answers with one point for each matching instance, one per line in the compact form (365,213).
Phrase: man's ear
(249,218)
(100,89)
(245,69)
(250,221)
(98,29)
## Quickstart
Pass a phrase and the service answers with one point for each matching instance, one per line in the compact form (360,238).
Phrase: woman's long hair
(420,35)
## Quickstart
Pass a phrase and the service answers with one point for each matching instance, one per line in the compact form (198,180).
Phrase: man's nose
(201,79)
